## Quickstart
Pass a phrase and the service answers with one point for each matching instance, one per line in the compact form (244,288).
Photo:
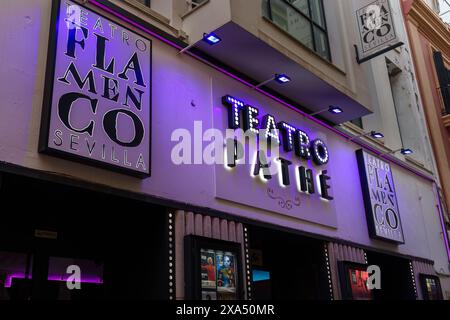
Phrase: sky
(444,8)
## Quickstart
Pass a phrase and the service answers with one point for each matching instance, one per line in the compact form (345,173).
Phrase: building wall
(398,111)
(183,90)
(428,33)
(400,114)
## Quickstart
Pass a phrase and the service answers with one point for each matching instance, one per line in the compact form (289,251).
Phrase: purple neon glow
(86,279)
(345,136)
(9,278)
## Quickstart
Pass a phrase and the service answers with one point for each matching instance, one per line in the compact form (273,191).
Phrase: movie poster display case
(431,287)
(213,269)
(353,279)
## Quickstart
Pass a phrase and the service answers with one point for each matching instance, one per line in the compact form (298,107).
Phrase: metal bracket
(375,54)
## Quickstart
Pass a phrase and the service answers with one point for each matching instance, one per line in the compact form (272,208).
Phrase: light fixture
(406,152)
(377,135)
(403,151)
(211,38)
(335,110)
(373,134)
(330,109)
(282,78)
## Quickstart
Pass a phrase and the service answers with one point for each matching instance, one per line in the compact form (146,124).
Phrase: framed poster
(208,269)
(213,269)
(431,287)
(353,279)
(97,99)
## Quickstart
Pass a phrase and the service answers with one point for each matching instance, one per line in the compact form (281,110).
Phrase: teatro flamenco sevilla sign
(97,105)
(380,199)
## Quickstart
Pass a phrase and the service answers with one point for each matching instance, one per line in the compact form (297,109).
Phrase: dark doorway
(286,266)
(119,245)
(396,280)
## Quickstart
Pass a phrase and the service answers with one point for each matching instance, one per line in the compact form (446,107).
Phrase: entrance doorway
(49,232)
(396,280)
(287,266)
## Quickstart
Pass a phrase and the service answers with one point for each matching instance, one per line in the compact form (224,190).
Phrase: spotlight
(406,152)
(331,109)
(373,134)
(377,135)
(211,38)
(282,78)
(335,110)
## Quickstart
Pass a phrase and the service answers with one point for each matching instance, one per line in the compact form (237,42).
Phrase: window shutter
(444,79)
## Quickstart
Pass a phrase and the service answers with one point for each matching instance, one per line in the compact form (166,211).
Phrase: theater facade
(147,169)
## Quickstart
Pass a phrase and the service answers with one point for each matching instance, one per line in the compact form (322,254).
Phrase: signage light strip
(267,94)
(171,236)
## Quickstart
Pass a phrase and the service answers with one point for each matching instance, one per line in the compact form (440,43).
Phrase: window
(302,19)
(444,80)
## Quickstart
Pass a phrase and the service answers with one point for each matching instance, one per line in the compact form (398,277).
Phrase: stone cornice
(430,25)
